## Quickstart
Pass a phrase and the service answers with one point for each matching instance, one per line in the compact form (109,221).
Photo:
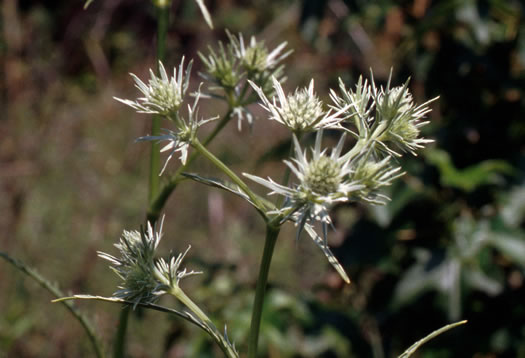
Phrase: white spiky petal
(301,111)
(180,140)
(162,95)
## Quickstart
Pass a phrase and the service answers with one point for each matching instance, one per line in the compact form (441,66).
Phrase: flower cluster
(230,66)
(381,120)
(385,122)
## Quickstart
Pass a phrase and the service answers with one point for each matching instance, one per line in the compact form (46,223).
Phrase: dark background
(449,246)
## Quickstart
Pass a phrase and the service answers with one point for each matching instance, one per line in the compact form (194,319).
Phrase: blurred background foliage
(450,245)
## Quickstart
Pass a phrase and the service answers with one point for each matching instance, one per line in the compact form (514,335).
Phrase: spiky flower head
(301,111)
(254,56)
(396,122)
(180,140)
(403,119)
(221,67)
(359,113)
(374,175)
(323,180)
(136,264)
(162,95)
(144,277)
(168,272)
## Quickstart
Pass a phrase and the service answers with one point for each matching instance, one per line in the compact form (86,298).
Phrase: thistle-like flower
(395,107)
(301,111)
(255,56)
(395,123)
(374,175)
(168,273)
(359,113)
(162,95)
(221,67)
(144,278)
(323,181)
(180,140)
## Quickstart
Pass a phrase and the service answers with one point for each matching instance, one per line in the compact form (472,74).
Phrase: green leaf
(432,335)
(511,246)
(185,315)
(326,251)
(55,291)
(469,178)
(225,185)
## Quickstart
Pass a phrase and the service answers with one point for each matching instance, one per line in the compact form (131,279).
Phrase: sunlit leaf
(469,178)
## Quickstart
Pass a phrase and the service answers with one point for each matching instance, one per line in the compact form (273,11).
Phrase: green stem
(154,168)
(55,291)
(120,337)
(211,328)
(162,29)
(224,168)
(160,200)
(358,147)
(272,233)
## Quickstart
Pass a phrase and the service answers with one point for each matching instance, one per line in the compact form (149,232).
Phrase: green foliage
(469,178)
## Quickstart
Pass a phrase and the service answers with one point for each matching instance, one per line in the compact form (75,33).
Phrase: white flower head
(162,95)
(301,111)
(254,56)
(323,180)
(180,140)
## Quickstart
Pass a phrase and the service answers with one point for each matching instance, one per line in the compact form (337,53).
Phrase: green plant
(384,121)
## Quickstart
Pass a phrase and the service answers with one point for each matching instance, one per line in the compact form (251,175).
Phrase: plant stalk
(162,29)
(224,168)
(55,291)
(272,233)
(154,168)
(160,200)
(211,328)
(120,337)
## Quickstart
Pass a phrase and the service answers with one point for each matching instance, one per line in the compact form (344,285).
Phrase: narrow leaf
(326,251)
(432,335)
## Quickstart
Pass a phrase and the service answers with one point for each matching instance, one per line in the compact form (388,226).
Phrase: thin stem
(160,200)
(287,171)
(221,340)
(272,233)
(55,291)
(224,168)
(359,146)
(181,296)
(162,29)
(162,8)
(120,337)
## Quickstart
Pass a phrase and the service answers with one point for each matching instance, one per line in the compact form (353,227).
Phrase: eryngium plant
(384,121)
